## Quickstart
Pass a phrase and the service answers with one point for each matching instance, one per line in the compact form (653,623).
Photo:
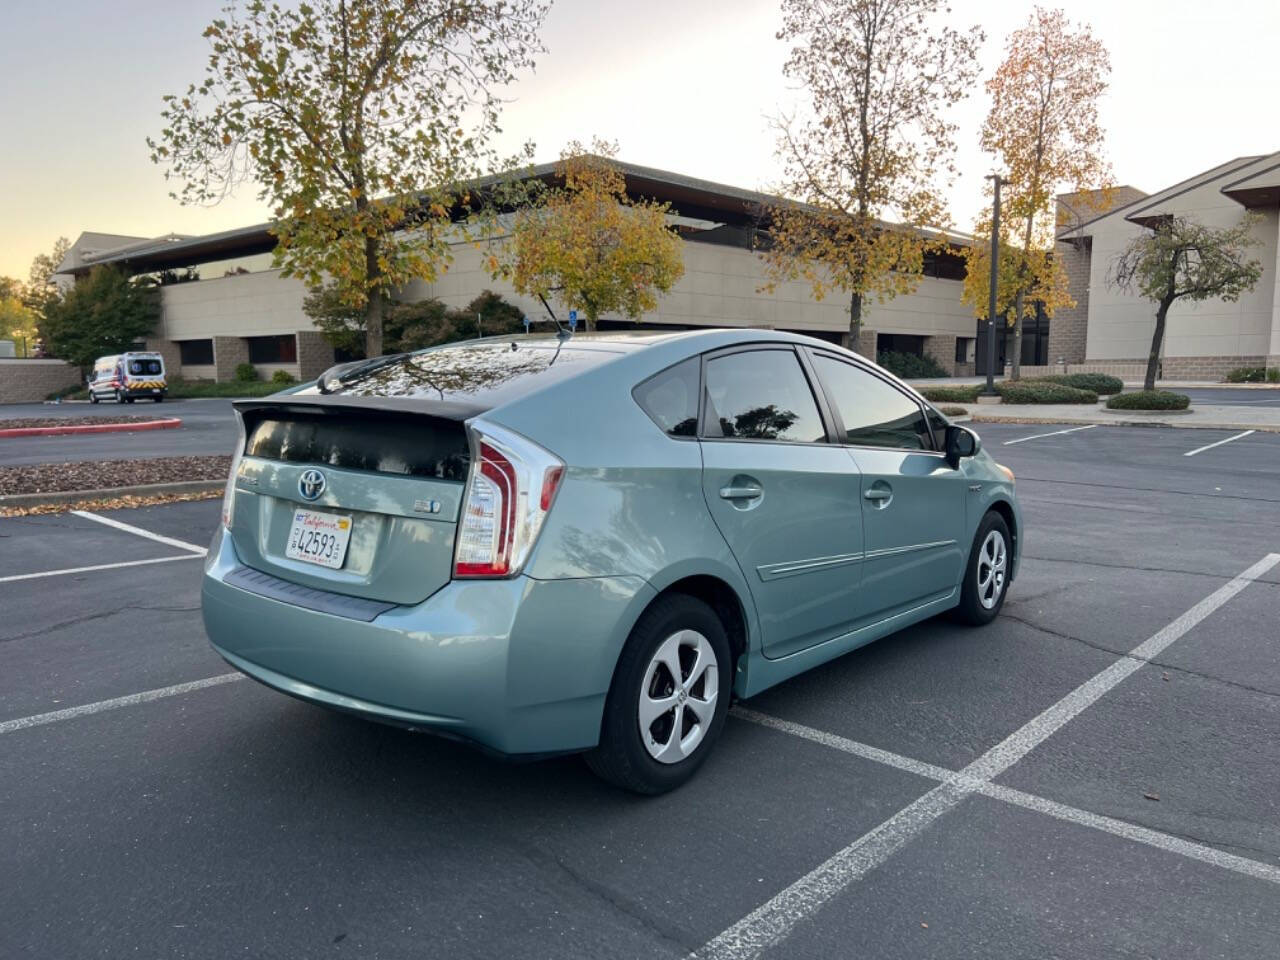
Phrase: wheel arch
(1005,509)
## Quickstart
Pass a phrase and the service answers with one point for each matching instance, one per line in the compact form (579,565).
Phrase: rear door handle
(745,492)
(879,493)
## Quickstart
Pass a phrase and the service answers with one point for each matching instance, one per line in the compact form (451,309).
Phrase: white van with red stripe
(125,377)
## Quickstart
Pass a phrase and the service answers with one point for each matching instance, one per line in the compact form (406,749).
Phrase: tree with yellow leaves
(589,245)
(1044,131)
(361,121)
(872,144)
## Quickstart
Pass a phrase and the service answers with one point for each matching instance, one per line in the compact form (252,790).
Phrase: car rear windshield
(482,374)
(409,446)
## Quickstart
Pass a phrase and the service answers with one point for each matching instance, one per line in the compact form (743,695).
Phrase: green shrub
(941,394)
(283,377)
(1099,383)
(1273,375)
(1038,391)
(908,366)
(1149,400)
(187,389)
(246,372)
(954,411)
(1246,375)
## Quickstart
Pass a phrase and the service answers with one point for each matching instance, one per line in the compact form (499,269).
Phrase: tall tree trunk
(855,321)
(374,303)
(1153,359)
(1017,337)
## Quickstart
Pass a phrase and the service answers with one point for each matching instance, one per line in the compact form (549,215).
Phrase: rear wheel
(119,396)
(987,572)
(158,399)
(668,700)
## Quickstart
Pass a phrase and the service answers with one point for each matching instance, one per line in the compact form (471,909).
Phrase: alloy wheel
(678,696)
(993,559)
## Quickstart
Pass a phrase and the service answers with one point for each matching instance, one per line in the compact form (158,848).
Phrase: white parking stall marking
(776,918)
(1055,433)
(1210,446)
(138,531)
(177,690)
(1028,801)
(99,566)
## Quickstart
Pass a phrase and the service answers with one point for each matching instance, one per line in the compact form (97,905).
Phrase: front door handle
(879,493)
(744,492)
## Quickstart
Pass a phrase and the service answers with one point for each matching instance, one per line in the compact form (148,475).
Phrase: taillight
(229,494)
(510,488)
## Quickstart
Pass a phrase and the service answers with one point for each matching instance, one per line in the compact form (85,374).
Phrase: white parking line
(129,528)
(1055,433)
(100,566)
(23,723)
(776,918)
(1210,446)
(1061,811)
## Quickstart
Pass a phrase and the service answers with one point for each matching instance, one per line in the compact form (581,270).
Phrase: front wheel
(987,573)
(668,700)
(119,396)
(93,397)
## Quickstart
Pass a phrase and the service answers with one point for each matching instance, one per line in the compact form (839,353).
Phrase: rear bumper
(520,666)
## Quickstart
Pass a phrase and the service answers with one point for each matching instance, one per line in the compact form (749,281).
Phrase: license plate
(319,538)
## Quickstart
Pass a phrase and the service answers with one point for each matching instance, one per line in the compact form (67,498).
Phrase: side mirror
(961,442)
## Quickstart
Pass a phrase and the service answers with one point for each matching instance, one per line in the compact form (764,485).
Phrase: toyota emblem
(311,484)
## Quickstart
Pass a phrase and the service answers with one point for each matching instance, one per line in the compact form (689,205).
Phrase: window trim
(842,437)
(759,347)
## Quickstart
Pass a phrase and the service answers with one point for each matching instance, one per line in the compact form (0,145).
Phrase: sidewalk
(1200,416)
(1129,384)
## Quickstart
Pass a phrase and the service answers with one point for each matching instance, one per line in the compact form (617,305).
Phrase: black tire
(158,399)
(130,399)
(972,609)
(621,757)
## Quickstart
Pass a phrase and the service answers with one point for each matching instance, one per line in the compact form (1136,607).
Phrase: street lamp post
(996,182)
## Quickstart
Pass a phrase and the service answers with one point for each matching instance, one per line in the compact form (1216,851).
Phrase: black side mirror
(961,442)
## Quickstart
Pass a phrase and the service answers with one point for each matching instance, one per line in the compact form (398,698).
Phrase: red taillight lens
(512,485)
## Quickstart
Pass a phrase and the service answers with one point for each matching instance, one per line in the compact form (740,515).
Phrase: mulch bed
(97,475)
(17,424)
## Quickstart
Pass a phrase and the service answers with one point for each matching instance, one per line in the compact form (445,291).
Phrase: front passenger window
(875,413)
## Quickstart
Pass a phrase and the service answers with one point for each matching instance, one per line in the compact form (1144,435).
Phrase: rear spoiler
(321,404)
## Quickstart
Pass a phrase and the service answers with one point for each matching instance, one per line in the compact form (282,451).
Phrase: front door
(913,503)
(786,500)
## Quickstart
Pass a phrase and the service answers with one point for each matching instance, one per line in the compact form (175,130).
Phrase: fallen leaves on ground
(111,503)
(102,474)
(22,422)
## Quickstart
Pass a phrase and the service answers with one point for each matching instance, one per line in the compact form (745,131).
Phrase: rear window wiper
(344,373)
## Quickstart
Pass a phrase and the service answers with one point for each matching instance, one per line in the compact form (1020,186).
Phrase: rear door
(785,499)
(913,503)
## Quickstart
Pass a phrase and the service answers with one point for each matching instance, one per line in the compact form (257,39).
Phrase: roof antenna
(563,334)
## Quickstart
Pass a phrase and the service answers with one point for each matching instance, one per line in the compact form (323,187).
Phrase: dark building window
(282,349)
(196,353)
(943,265)
(962,349)
(900,343)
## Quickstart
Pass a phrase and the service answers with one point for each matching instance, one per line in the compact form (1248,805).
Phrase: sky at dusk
(684,85)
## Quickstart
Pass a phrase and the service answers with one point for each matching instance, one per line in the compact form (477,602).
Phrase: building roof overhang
(1261,189)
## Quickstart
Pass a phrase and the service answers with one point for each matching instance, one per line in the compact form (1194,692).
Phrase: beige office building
(241,310)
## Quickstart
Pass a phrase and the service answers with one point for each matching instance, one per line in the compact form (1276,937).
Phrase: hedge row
(908,366)
(1149,400)
(1040,391)
(1099,383)
(954,394)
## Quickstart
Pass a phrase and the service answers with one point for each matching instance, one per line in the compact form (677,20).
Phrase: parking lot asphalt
(208,426)
(1114,803)
(1232,396)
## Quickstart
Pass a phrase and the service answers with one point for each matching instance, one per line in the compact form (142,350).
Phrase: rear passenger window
(671,398)
(874,412)
(761,395)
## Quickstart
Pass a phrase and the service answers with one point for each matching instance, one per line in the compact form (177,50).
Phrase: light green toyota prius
(545,545)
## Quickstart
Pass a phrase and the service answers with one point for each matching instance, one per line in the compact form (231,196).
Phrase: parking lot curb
(168,423)
(977,417)
(23,500)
